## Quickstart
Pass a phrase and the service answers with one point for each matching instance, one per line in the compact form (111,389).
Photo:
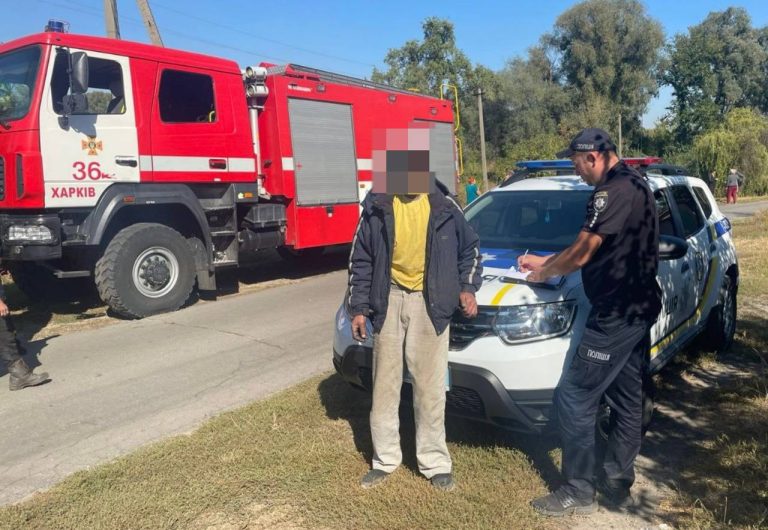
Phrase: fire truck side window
(186,97)
(105,85)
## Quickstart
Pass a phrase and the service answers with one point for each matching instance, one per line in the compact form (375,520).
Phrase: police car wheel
(606,420)
(721,325)
(146,269)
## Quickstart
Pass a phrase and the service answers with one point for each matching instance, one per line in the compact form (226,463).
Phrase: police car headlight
(38,233)
(525,323)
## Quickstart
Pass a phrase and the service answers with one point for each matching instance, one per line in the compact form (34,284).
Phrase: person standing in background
(732,185)
(471,190)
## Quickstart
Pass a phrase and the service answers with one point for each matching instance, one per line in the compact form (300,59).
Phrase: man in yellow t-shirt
(414,261)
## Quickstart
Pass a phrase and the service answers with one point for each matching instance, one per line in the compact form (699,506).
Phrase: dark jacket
(452,262)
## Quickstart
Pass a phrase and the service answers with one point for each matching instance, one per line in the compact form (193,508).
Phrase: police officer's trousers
(610,360)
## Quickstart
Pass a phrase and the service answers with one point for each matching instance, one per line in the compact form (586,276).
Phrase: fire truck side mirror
(78,77)
(74,104)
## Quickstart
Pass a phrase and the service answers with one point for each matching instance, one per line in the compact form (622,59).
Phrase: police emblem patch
(601,201)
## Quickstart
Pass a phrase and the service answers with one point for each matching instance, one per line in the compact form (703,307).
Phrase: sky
(345,37)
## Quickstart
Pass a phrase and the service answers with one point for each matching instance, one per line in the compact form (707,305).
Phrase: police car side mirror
(671,247)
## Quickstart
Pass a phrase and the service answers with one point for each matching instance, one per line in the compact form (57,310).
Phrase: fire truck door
(84,154)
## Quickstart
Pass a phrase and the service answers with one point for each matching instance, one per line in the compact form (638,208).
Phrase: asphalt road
(743,209)
(122,386)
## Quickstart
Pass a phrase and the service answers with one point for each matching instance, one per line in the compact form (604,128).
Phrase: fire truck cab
(148,168)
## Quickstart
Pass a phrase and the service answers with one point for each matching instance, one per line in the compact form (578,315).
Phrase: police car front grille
(465,330)
(461,400)
(2,178)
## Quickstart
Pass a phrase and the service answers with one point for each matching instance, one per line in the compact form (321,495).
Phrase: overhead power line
(90,10)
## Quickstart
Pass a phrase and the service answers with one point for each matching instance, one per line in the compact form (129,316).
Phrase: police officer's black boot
(22,376)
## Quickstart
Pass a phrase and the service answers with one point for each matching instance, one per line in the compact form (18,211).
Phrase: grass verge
(295,459)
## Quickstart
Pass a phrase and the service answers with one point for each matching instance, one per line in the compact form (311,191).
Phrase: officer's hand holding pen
(529,262)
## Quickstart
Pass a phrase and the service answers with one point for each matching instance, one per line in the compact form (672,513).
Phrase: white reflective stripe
(242,164)
(364,164)
(287,163)
(193,163)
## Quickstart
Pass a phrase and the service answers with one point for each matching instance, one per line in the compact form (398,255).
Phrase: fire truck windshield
(18,72)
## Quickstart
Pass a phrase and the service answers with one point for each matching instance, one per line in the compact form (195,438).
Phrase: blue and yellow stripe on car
(500,294)
(694,318)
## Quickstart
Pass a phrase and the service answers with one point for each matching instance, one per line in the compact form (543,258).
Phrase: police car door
(670,276)
(696,267)
(85,153)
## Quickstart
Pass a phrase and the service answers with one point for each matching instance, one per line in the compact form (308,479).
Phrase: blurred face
(401,161)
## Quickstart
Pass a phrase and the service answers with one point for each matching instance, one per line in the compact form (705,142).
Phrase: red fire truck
(148,168)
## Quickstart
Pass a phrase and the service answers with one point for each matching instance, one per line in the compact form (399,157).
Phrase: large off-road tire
(721,324)
(146,269)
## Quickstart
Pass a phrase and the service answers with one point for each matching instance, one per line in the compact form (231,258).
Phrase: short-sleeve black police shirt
(621,276)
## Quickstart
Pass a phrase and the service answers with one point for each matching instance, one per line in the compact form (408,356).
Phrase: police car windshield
(535,220)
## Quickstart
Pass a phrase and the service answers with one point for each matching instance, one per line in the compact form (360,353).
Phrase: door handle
(685,268)
(217,163)
(128,161)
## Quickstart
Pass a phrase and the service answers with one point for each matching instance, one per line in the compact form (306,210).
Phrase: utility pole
(482,137)
(149,22)
(110,19)
(619,135)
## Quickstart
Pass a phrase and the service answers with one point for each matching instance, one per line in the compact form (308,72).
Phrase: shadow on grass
(708,441)
(342,401)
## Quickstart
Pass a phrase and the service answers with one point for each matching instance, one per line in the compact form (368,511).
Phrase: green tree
(610,54)
(741,141)
(718,65)
(533,99)
(424,65)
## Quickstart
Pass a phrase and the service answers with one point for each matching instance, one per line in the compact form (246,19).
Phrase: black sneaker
(443,482)
(559,503)
(613,494)
(373,478)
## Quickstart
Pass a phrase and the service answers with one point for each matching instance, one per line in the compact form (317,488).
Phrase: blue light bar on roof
(539,165)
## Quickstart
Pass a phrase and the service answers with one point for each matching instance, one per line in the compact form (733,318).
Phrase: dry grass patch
(294,460)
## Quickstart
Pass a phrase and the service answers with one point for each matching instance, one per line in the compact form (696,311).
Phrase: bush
(740,142)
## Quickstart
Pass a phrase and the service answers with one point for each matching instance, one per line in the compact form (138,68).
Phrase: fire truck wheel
(301,255)
(146,269)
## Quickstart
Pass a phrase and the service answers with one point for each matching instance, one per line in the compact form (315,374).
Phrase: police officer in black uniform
(617,252)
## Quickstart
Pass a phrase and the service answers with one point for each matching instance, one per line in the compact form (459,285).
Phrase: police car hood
(501,288)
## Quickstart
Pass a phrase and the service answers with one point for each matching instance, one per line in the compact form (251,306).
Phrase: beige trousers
(408,334)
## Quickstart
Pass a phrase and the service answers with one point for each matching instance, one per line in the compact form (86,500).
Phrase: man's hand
(536,276)
(468,304)
(358,328)
(4,311)
(529,262)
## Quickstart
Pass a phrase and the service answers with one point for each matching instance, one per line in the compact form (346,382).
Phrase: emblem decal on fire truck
(93,145)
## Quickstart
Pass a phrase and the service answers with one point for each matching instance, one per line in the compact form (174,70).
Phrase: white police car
(505,364)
